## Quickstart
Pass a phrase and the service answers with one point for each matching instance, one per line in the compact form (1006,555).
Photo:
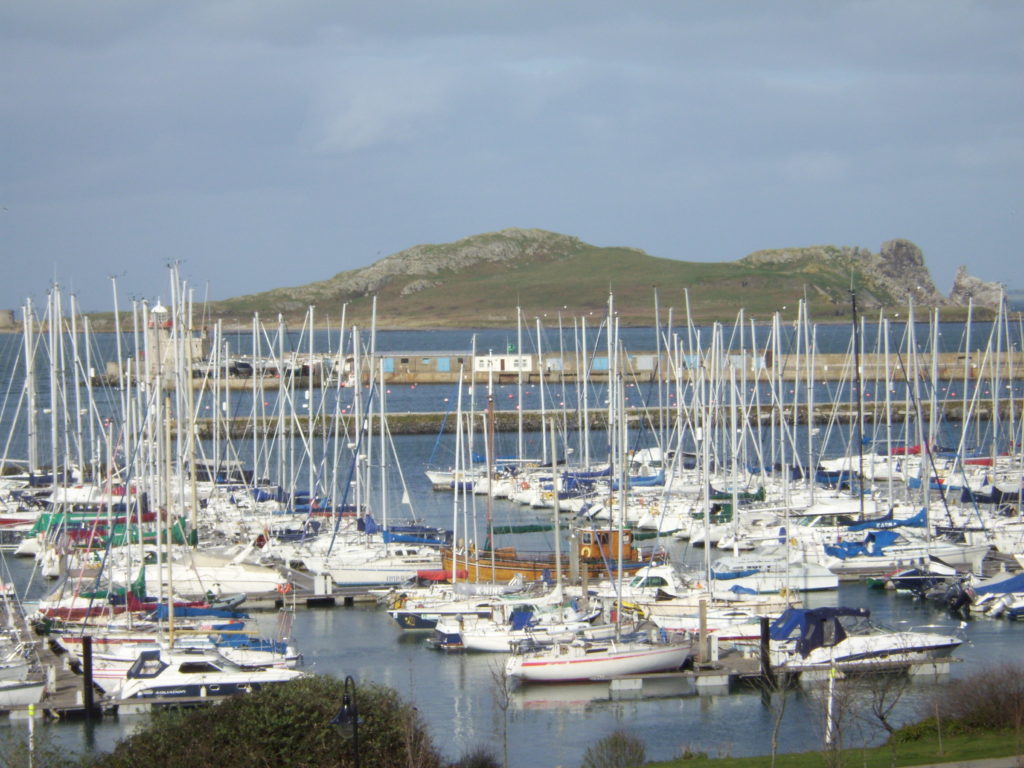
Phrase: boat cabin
(598,544)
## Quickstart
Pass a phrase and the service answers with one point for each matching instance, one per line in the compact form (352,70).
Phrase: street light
(348,715)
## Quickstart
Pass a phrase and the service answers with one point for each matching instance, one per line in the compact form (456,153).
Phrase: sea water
(459,695)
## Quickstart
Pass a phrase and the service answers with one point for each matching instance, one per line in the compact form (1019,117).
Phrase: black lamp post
(348,715)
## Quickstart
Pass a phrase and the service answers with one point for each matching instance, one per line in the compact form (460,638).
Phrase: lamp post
(348,715)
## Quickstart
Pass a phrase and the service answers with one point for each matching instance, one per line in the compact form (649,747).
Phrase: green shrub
(480,757)
(992,699)
(286,726)
(687,753)
(617,750)
(927,729)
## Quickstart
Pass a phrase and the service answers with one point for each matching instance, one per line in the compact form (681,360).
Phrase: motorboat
(845,637)
(156,674)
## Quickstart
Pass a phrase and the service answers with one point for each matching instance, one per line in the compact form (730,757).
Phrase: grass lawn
(925,751)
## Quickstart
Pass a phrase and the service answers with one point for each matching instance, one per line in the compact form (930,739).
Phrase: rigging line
(351,471)
(928,449)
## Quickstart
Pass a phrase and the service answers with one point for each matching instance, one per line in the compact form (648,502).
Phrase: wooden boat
(598,552)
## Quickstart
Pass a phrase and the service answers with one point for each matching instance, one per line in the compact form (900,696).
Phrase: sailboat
(584,659)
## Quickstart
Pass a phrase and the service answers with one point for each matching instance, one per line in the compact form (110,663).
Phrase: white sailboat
(584,659)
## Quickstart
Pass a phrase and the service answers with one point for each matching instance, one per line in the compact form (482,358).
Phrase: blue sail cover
(881,523)
(643,481)
(367,524)
(736,589)
(521,618)
(1006,586)
(874,524)
(873,545)
(181,611)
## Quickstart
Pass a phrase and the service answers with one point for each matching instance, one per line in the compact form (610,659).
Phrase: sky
(269,143)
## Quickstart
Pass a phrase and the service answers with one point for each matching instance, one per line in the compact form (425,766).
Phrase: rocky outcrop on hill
(419,285)
(780,256)
(422,266)
(968,289)
(506,245)
(893,275)
(899,270)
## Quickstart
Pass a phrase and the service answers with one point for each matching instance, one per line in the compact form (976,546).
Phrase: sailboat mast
(557,512)
(519,381)
(489,440)
(586,389)
(619,401)
(888,408)
(30,388)
(540,387)
(860,403)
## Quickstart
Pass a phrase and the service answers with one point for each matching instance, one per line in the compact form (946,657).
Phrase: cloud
(814,167)
(327,131)
(373,102)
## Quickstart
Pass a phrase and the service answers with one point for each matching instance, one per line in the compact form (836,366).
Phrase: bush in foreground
(285,726)
(617,750)
(987,701)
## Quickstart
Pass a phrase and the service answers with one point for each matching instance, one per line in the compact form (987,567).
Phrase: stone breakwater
(430,423)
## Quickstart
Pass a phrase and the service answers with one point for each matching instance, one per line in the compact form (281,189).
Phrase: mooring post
(87,689)
(766,660)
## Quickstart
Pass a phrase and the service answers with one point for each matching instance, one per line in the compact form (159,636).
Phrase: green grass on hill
(577,283)
(547,274)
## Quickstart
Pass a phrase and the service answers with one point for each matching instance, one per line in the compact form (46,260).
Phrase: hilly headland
(479,281)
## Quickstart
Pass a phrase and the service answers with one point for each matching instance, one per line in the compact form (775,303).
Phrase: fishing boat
(598,555)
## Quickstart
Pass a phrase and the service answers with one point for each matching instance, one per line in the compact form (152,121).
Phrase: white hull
(771,575)
(579,661)
(20,693)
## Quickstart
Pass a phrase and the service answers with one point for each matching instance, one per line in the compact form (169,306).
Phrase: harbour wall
(450,368)
(430,423)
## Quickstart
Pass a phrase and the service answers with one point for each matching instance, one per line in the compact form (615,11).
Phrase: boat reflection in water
(581,696)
